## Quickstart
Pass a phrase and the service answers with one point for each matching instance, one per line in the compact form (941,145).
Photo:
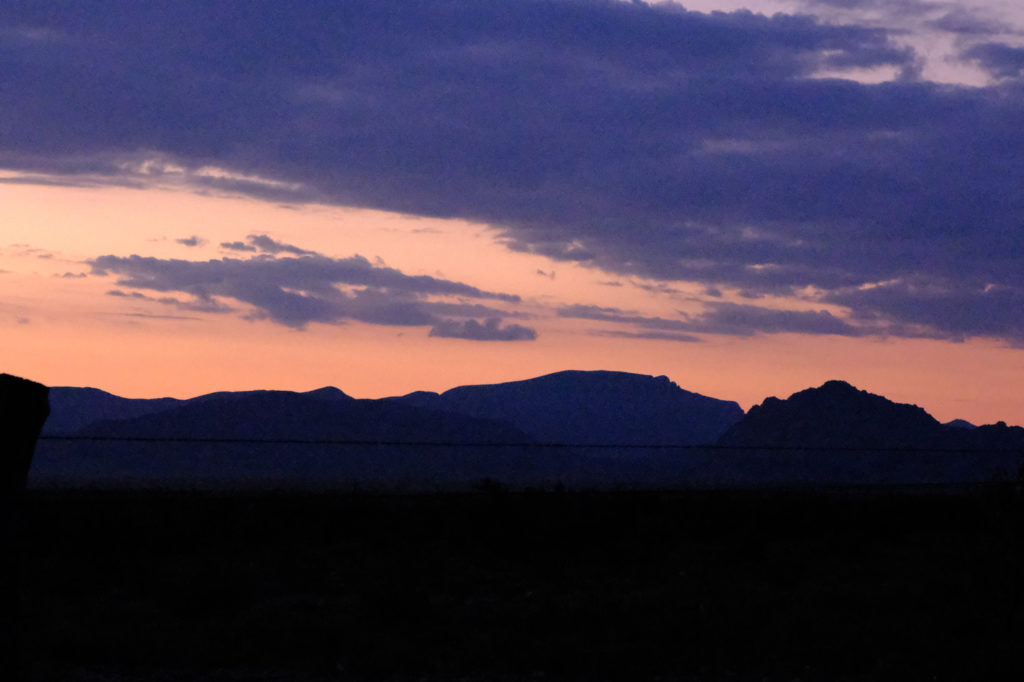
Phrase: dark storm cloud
(999,59)
(490,330)
(640,139)
(295,291)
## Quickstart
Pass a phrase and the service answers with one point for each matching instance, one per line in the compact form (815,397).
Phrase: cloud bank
(639,139)
(718,317)
(308,287)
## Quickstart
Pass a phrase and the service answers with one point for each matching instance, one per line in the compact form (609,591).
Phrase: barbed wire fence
(525,444)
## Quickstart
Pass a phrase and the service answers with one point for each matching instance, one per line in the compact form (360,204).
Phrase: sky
(386,196)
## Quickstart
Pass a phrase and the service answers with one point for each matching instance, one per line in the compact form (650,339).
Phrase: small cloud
(965,22)
(73,275)
(191,241)
(265,244)
(655,336)
(125,294)
(238,246)
(22,320)
(28,251)
(268,245)
(445,309)
(610,283)
(549,275)
(161,317)
(490,330)
(655,288)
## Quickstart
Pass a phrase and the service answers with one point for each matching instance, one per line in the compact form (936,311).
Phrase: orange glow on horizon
(67,331)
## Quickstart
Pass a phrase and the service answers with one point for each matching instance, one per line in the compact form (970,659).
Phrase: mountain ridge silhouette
(592,407)
(584,428)
(839,415)
(314,415)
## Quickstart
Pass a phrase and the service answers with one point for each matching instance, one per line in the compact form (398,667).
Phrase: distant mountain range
(581,428)
(591,408)
(324,414)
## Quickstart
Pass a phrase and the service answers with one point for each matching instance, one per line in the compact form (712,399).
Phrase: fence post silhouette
(24,407)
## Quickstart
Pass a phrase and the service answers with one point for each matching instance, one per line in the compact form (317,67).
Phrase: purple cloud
(297,290)
(999,59)
(965,22)
(490,330)
(721,317)
(659,143)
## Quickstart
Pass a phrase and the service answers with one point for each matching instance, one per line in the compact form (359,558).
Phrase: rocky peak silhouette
(835,415)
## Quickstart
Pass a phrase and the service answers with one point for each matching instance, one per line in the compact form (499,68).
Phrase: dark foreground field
(523,586)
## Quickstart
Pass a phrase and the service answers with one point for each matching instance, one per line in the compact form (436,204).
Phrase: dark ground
(514,586)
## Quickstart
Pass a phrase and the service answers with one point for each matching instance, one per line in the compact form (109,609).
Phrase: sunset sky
(384,195)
